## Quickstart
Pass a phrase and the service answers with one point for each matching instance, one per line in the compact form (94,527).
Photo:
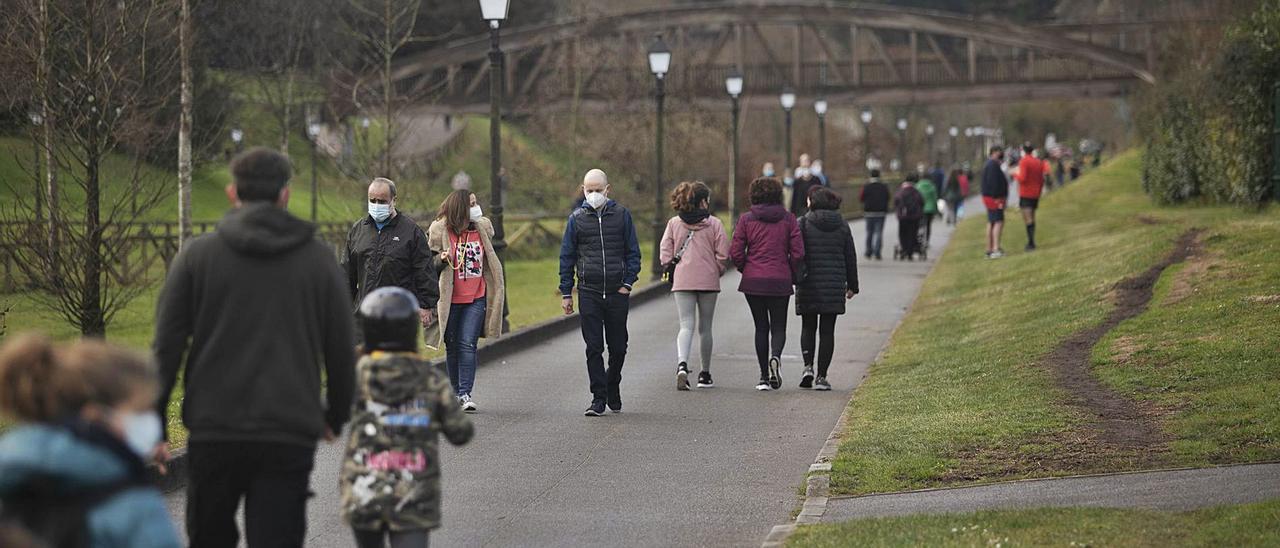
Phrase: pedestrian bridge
(861,54)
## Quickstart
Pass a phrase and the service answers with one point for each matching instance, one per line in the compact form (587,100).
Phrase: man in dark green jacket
(258,309)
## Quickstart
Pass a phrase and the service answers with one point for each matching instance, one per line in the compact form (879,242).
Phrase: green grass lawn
(1243,525)
(959,396)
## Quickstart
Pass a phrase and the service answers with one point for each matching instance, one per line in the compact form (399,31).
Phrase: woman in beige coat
(472,288)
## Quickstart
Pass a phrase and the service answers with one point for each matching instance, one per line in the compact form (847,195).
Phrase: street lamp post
(733,85)
(313,132)
(954,131)
(659,65)
(495,12)
(865,116)
(237,138)
(788,101)
(820,107)
(37,120)
(902,142)
(928,131)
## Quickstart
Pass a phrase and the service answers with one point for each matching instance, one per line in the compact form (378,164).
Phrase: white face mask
(596,199)
(380,212)
(142,431)
(476,213)
(816,169)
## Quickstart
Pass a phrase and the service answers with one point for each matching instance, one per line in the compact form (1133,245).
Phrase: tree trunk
(184,128)
(92,320)
(50,166)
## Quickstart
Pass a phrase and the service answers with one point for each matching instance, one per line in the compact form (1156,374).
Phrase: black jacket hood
(769,213)
(826,220)
(262,230)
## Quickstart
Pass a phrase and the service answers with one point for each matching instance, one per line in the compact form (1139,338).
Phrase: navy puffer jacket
(832,263)
(600,249)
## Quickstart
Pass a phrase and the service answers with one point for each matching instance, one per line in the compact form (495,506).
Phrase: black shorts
(1028,203)
(995,215)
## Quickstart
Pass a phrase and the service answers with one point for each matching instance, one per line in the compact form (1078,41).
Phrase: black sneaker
(682,376)
(704,380)
(821,384)
(596,409)
(615,399)
(806,378)
(775,376)
(1030,247)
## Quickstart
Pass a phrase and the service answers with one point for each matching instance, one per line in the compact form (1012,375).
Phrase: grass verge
(1241,525)
(961,396)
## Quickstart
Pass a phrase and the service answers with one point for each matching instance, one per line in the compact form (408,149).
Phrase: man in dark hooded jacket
(258,309)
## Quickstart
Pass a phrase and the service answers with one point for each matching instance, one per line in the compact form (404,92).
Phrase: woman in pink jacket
(769,250)
(695,243)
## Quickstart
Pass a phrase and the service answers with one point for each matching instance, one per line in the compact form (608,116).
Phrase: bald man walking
(601,250)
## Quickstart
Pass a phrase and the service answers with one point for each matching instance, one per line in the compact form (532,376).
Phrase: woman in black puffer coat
(832,279)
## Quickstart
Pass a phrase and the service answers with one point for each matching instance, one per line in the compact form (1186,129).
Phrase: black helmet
(389,316)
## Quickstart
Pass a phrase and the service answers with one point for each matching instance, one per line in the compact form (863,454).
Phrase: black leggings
(811,325)
(770,315)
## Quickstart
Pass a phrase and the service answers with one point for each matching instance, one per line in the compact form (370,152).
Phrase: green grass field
(960,397)
(1243,525)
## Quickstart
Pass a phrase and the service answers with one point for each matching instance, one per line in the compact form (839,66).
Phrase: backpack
(40,514)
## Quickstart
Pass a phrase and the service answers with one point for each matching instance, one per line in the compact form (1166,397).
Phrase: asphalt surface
(711,467)
(1168,490)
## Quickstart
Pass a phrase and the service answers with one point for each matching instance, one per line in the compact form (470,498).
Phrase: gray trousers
(700,308)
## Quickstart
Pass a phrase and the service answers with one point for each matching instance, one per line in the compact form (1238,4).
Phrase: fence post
(1275,142)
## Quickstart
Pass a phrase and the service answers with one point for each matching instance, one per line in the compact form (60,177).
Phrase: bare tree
(184,127)
(107,69)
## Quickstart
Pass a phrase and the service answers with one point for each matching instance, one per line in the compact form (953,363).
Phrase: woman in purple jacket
(695,242)
(768,248)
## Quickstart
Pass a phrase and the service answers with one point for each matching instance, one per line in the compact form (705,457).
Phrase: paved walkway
(714,467)
(1169,490)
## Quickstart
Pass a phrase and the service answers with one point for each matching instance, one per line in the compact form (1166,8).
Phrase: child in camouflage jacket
(390,478)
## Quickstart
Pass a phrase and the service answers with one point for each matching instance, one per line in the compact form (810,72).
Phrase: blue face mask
(768,173)
(380,212)
(142,431)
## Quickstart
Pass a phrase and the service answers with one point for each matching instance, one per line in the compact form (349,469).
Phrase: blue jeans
(460,338)
(875,236)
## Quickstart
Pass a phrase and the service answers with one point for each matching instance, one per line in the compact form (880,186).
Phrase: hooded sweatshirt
(391,474)
(766,248)
(262,307)
(71,464)
(706,258)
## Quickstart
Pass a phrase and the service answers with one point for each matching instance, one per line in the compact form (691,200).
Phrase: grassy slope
(1244,525)
(958,396)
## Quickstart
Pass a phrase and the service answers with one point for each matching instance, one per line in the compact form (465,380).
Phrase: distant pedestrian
(258,313)
(831,278)
(767,170)
(1031,174)
(995,192)
(818,172)
(387,248)
(909,206)
(938,176)
(390,479)
(805,180)
(472,287)
(72,469)
(929,193)
(695,250)
(875,206)
(768,250)
(1059,172)
(1075,170)
(601,250)
(953,196)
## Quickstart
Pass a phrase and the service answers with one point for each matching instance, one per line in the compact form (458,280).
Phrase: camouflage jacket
(391,473)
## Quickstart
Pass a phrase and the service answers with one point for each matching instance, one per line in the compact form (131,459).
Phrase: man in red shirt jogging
(1030,184)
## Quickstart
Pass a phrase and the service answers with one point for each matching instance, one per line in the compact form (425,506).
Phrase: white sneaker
(763,385)
(468,404)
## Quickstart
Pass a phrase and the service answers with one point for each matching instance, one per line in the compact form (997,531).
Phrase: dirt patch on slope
(1117,422)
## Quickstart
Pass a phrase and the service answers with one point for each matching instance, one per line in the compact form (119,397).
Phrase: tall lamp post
(820,107)
(659,65)
(37,120)
(788,101)
(495,12)
(733,85)
(313,133)
(865,116)
(969,133)
(902,142)
(954,131)
(928,131)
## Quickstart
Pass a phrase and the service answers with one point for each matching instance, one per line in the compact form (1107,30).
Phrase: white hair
(595,175)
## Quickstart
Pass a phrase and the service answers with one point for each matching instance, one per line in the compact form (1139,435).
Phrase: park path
(715,467)
(1174,490)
